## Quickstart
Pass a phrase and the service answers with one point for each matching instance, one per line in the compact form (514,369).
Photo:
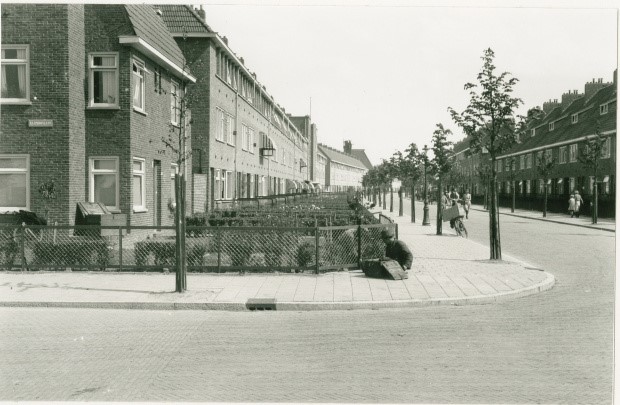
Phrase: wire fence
(207,248)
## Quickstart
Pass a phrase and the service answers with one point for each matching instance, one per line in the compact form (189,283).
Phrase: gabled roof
(340,157)
(360,154)
(149,27)
(183,19)
(564,130)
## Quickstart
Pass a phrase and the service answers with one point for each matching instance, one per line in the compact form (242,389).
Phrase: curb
(549,220)
(273,305)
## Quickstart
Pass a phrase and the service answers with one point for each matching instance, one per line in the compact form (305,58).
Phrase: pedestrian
(396,249)
(571,205)
(454,195)
(445,200)
(467,203)
(578,203)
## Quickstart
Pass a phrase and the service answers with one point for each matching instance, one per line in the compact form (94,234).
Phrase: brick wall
(55,88)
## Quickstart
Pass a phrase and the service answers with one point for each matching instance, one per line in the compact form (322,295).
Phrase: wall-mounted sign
(40,123)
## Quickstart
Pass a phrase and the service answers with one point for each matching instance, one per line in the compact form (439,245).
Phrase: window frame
(91,80)
(140,75)
(18,171)
(572,157)
(142,174)
(91,179)
(563,155)
(174,168)
(606,149)
(220,122)
(230,131)
(551,126)
(604,109)
(574,118)
(26,63)
(175,110)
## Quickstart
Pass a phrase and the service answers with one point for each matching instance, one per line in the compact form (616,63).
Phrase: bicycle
(455,217)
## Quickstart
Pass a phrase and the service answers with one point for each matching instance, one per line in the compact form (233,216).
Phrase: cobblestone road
(553,347)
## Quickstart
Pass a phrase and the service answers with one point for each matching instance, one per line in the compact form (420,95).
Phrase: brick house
(244,143)
(88,93)
(559,131)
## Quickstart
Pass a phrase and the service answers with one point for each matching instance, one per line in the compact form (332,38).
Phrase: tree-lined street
(551,347)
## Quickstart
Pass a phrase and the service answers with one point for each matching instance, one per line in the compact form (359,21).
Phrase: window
(533,132)
(563,155)
(230,135)
(528,159)
(574,118)
(15,74)
(508,163)
(139,186)
(138,85)
(573,153)
(528,187)
(174,168)
(14,182)
(549,155)
(551,126)
(539,156)
(606,150)
(604,108)
(541,186)
(175,107)
(229,185)
(252,186)
(522,162)
(217,185)
(499,166)
(103,80)
(103,181)
(507,187)
(244,137)
(251,140)
(220,122)
(571,184)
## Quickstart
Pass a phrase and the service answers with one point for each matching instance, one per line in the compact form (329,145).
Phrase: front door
(157,193)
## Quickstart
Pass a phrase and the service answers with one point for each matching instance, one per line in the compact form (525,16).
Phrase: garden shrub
(305,254)
(8,251)
(74,252)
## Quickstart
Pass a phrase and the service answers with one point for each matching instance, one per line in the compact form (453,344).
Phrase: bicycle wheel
(461,229)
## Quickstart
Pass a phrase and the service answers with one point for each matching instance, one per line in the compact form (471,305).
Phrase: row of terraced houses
(560,131)
(90,90)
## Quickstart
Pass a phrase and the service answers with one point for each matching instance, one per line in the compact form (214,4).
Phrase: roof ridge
(197,16)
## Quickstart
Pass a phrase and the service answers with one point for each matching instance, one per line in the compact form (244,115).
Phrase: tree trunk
(545,203)
(440,208)
(384,198)
(494,242)
(400,202)
(595,206)
(179,219)
(412,203)
(391,198)
(513,196)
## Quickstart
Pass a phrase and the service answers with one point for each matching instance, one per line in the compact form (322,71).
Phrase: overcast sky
(383,74)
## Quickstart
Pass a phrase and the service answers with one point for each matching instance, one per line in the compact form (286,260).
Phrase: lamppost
(426,220)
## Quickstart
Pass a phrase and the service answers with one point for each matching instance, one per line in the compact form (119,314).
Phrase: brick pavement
(448,270)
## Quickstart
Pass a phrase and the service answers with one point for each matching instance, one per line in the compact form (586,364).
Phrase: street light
(426,220)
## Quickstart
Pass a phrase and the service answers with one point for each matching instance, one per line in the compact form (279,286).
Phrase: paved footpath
(447,270)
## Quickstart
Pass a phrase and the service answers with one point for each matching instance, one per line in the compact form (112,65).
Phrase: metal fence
(208,249)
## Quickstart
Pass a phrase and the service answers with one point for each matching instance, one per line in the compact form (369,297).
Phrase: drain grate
(261,304)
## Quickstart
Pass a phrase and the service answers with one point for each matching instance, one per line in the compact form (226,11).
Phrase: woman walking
(578,203)
(571,205)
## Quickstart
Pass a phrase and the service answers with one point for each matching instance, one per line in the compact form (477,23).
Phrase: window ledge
(15,102)
(141,112)
(92,107)
(139,210)
(114,210)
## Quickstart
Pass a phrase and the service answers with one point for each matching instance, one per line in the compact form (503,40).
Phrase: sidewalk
(447,270)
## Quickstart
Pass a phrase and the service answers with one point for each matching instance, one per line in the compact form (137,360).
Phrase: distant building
(560,131)
(342,171)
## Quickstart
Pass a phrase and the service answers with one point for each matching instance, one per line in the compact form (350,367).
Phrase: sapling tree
(593,149)
(442,162)
(489,121)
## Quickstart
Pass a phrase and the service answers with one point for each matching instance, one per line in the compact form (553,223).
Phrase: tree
(489,121)
(545,165)
(409,171)
(178,142)
(442,162)
(594,148)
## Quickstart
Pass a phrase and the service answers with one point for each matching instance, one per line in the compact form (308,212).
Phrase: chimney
(202,14)
(568,98)
(347,147)
(594,86)
(550,105)
(225,40)
(242,61)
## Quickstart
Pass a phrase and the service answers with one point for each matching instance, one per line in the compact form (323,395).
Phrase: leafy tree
(489,121)
(593,150)
(410,170)
(545,165)
(442,162)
